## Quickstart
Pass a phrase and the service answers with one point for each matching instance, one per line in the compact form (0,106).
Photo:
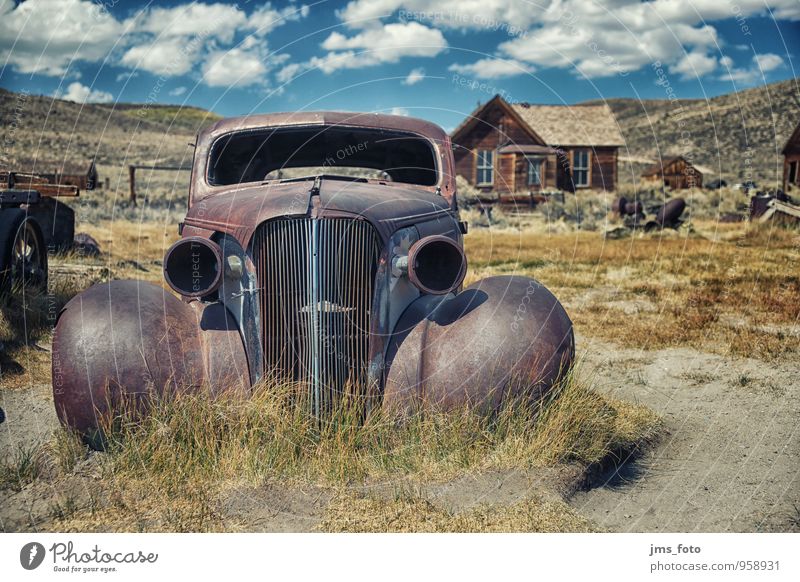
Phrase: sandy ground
(728,460)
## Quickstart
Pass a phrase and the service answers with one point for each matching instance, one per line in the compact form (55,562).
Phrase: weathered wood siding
(604,169)
(792,155)
(678,175)
(511,170)
(486,135)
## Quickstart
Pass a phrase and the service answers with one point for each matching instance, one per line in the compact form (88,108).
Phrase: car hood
(387,206)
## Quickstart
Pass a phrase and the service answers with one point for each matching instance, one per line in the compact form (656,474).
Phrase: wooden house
(791,161)
(676,173)
(513,151)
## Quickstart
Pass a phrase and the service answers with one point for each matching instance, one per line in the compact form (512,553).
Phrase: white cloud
(176,38)
(167,57)
(126,76)
(761,64)
(45,36)
(694,64)
(289,72)
(400,111)
(234,68)
(414,76)
(593,38)
(177,91)
(83,94)
(266,19)
(461,14)
(768,61)
(491,68)
(387,44)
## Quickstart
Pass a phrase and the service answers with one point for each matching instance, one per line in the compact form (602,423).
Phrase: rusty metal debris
(31,221)
(343,284)
(667,215)
(777,207)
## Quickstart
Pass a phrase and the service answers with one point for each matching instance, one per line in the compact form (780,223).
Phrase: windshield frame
(434,147)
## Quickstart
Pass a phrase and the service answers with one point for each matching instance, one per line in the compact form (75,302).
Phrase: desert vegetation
(727,289)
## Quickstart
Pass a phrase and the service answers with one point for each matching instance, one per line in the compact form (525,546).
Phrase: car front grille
(316,279)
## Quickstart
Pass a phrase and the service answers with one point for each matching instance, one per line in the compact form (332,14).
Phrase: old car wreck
(288,270)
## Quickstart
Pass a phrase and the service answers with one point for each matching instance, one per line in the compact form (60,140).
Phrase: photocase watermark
(299,201)
(482,87)
(462,19)
(31,555)
(344,153)
(571,23)
(676,115)
(738,15)
(66,558)
(100,8)
(12,126)
(522,308)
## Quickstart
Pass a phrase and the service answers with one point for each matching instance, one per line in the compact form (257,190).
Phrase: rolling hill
(737,136)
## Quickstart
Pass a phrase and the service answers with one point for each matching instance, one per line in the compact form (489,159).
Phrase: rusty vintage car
(324,249)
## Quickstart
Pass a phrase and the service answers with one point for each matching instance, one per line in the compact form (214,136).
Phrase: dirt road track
(730,460)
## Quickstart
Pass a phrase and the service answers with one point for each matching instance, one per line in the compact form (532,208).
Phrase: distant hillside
(719,131)
(39,127)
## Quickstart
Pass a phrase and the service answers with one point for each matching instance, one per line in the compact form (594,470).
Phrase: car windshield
(255,156)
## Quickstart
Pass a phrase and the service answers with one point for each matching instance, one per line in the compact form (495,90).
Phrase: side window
(792,173)
(534,172)
(580,167)
(485,174)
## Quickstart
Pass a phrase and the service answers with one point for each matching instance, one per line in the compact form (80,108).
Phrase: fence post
(132,179)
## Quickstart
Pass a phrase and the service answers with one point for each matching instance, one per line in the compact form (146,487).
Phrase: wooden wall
(792,154)
(511,170)
(678,175)
(485,135)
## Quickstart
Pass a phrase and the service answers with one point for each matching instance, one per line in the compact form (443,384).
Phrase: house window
(580,168)
(534,171)
(485,167)
(792,172)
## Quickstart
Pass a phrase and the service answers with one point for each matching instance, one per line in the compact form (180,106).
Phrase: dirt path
(730,458)
(30,418)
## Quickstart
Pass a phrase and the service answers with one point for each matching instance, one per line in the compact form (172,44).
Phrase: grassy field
(728,289)
(722,288)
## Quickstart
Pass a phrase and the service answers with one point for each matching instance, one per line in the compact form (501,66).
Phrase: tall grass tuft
(270,436)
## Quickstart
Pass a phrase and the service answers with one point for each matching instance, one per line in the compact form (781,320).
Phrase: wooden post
(132,179)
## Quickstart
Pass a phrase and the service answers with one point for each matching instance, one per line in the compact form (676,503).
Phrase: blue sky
(435,60)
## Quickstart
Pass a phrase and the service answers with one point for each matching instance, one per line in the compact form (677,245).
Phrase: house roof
(557,125)
(475,117)
(572,125)
(659,167)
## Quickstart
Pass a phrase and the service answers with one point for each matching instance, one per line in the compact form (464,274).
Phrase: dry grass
(191,449)
(722,288)
(353,514)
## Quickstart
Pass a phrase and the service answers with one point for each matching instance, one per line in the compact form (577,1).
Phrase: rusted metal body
(668,216)
(500,337)
(31,222)
(776,207)
(340,284)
